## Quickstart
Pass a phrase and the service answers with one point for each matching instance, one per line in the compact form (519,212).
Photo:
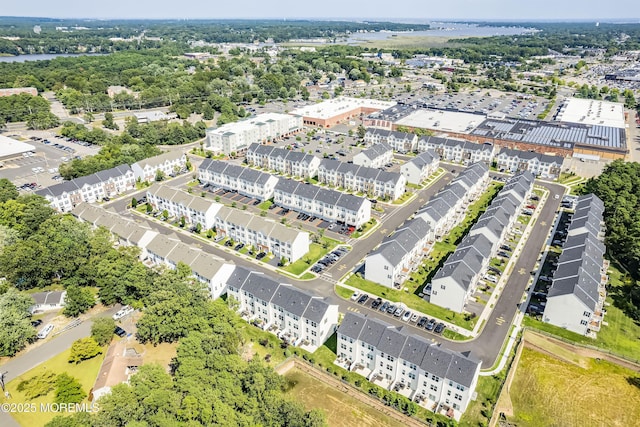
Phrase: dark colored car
(439,328)
(36,323)
(423,321)
(239,246)
(363,298)
(430,325)
(120,332)
(384,306)
(376,303)
(261,255)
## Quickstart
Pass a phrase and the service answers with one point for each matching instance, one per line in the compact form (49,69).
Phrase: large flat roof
(243,125)
(441,120)
(11,147)
(592,112)
(340,105)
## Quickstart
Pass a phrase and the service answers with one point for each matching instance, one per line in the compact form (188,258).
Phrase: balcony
(594,325)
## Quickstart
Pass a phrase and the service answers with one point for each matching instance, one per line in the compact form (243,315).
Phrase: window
(586,314)
(583,322)
(386,267)
(433,387)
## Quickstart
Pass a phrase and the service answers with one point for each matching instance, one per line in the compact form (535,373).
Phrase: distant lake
(41,57)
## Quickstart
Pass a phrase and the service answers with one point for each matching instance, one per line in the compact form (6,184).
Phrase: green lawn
(344,292)
(363,230)
(316,251)
(265,205)
(406,196)
(85,372)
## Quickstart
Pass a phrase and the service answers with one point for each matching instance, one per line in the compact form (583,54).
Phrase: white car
(123,312)
(355,296)
(45,331)
(406,316)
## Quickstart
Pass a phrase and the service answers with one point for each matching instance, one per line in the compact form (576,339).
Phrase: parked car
(120,332)
(376,303)
(398,312)
(423,321)
(355,296)
(363,298)
(384,306)
(261,255)
(439,328)
(44,332)
(406,316)
(239,246)
(430,324)
(391,309)
(36,323)
(414,318)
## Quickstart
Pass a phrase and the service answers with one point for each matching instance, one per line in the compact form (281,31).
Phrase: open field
(410,42)
(565,389)
(340,408)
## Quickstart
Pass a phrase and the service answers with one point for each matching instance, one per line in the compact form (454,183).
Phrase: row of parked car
(400,313)
(329,259)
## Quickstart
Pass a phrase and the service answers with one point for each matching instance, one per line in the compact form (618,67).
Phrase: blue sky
(596,10)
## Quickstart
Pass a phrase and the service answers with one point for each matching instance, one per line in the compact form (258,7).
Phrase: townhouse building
(265,235)
(323,203)
(420,167)
(399,254)
(575,300)
(245,181)
(91,188)
(402,142)
(457,150)
(375,156)
(295,316)
(170,163)
(180,204)
(436,378)
(370,181)
(455,283)
(287,162)
(541,165)
(236,137)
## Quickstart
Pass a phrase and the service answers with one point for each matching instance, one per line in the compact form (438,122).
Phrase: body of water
(41,57)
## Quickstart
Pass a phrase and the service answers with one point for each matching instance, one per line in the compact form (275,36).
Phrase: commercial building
(265,235)
(153,116)
(443,121)
(436,378)
(541,165)
(375,156)
(323,203)
(170,163)
(236,137)
(420,167)
(577,294)
(91,188)
(361,179)
(287,162)
(457,150)
(592,112)
(333,111)
(10,147)
(246,181)
(295,316)
(179,204)
(401,142)
(18,90)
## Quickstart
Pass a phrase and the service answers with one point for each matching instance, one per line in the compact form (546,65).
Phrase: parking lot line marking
(521,271)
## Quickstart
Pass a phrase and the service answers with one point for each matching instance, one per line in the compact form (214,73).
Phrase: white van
(44,332)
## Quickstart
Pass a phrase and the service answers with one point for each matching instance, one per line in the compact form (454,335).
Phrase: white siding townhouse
(246,181)
(169,163)
(541,165)
(91,188)
(287,162)
(264,234)
(375,156)
(293,315)
(401,142)
(238,136)
(576,297)
(194,209)
(370,181)
(456,150)
(420,167)
(399,254)
(436,378)
(323,203)
(457,280)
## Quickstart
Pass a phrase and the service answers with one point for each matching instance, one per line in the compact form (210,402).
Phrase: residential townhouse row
(370,181)
(292,314)
(402,142)
(457,150)
(295,316)
(441,380)
(541,165)
(456,281)
(420,167)
(401,253)
(170,163)
(577,294)
(238,136)
(329,205)
(246,181)
(375,156)
(264,234)
(287,162)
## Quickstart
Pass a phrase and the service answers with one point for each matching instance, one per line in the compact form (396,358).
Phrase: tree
(68,389)
(160,176)
(134,202)
(15,327)
(149,208)
(78,301)
(165,214)
(8,190)
(83,349)
(102,330)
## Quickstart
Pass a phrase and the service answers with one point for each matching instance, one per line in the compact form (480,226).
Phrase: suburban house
(264,234)
(47,301)
(420,167)
(91,188)
(180,204)
(399,254)
(375,156)
(295,316)
(392,357)
(577,294)
(117,367)
(540,165)
(287,162)
(169,164)
(401,142)
(236,137)
(370,181)
(457,150)
(245,181)
(330,205)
